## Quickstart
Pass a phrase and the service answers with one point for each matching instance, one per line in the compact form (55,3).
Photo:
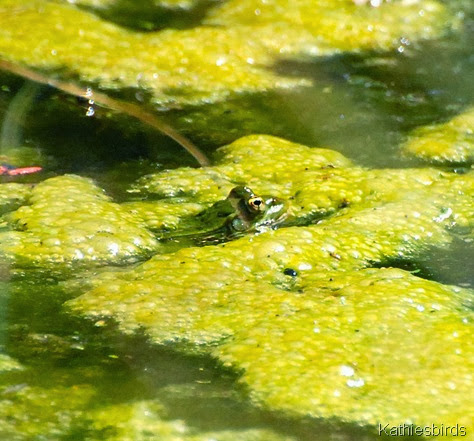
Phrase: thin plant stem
(105,100)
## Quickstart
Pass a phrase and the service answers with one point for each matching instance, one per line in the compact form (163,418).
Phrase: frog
(240,213)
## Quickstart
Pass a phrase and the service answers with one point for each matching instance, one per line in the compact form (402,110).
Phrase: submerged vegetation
(143,299)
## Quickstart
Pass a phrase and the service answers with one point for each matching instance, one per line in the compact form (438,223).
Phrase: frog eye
(256,203)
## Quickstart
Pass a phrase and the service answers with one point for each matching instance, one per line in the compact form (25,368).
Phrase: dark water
(362,105)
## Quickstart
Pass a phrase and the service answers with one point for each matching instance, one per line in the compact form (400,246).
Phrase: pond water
(361,105)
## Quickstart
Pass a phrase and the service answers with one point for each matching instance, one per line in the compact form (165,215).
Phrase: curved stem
(11,133)
(103,99)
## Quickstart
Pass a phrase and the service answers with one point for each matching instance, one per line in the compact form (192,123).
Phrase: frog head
(253,212)
(242,211)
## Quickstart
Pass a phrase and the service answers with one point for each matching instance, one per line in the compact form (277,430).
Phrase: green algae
(68,220)
(283,368)
(230,55)
(451,142)
(323,334)
(252,264)
(360,346)
(322,328)
(301,26)
(30,411)
(37,409)
(163,215)
(173,66)
(13,195)
(201,297)
(267,164)
(8,364)
(316,182)
(141,421)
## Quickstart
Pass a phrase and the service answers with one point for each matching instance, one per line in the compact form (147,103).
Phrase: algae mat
(68,222)
(61,407)
(449,142)
(231,52)
(307,314)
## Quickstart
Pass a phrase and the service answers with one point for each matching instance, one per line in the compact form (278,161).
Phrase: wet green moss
(230,55)
(70,221)
(451,142)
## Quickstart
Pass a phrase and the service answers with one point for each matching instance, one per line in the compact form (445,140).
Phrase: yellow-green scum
(332,343)
(316,182)
(68,220)
(231,53)
(13,195)
(297,312)
(315,28)
(451,142)
(38,409)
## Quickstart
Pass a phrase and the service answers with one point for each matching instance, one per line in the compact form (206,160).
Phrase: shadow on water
(378,98)
(148,16)
(449,265)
